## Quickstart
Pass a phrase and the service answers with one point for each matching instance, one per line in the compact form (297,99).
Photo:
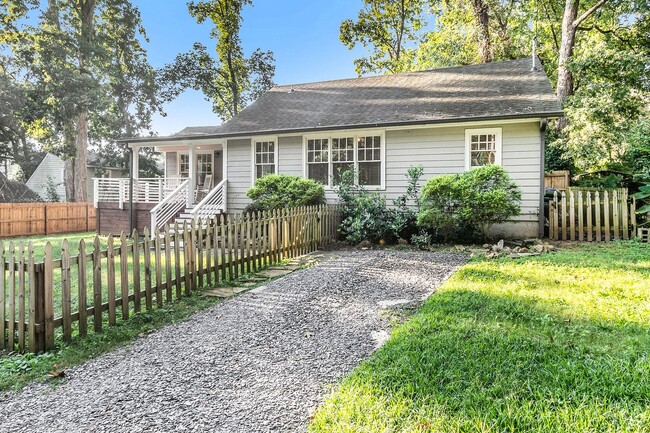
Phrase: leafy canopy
(230,80)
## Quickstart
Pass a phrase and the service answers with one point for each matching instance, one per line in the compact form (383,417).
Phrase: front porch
(193,187)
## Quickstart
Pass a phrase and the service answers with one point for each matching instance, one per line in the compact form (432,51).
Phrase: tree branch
(589,12)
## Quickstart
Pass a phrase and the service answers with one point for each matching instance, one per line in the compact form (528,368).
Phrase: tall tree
(230,81)
(570,25)
(482,18)
(85,65)
(391,28)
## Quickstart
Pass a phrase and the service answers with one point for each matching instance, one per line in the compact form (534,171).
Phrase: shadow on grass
(503,359)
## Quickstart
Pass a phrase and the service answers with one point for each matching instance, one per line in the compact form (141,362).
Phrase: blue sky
(304,35)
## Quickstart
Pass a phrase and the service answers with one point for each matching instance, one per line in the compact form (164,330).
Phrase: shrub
(407,205)
(364,216)
(275,191)
(476,199)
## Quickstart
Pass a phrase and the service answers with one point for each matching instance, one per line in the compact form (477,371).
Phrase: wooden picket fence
(584,214)
(33,219)
(46,297)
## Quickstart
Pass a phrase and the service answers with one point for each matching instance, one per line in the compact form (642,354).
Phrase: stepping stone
(221,292)
(272,273)
(238,290)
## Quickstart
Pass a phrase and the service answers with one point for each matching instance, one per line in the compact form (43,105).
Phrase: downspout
(131,192)
(542,137)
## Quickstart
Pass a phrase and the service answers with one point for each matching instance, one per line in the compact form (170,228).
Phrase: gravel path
(260,362)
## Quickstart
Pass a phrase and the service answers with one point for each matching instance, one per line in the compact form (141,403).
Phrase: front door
(204,166)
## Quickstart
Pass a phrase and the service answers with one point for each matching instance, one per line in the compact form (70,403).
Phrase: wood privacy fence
(592,215)
(557,179)
(30,219)
(75,294)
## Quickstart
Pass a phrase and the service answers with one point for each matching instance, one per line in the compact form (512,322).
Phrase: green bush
(276,191)
(407,205)
(364,216)
(474,200)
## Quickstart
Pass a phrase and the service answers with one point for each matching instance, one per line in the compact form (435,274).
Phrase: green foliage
(230,81)
(476,199)
(390,28)
(50,190)
(637,156)
(364,215)
(277,191)
(643,195)
(554,344)
(600,111)
(73,65)
(407,205)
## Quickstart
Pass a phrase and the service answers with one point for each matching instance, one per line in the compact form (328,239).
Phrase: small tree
(276,191)
(50,190)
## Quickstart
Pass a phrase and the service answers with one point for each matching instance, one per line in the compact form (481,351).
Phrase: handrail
(213,203)
(170,205)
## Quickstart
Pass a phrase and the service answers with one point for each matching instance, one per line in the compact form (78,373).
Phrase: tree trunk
(482,18)
(81,159)
(564,76)
(69,179)
(80,185)
(570,24)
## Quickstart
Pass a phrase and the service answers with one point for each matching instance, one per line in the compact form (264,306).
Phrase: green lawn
(56,240)
(556,343)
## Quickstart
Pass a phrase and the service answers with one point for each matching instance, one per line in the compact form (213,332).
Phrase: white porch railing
(145,190)
(170,205)
(213,203)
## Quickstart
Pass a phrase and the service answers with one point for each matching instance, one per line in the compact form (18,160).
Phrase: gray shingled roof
(197,130)
(487,91)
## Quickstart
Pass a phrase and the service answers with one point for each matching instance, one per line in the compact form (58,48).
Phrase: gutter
(542,138)
(135,140)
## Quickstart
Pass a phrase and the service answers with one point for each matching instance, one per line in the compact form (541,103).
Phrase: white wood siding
(442,151)
(439,150)
(240,172)
(171,164)
(53,167)
(290,157)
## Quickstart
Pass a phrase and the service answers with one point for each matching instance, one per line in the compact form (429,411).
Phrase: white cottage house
(447,120)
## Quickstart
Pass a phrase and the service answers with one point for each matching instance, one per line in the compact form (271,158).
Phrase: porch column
(192,188)
(136,162)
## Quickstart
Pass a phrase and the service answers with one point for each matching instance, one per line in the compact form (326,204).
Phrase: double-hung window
(482,147)
(265,158)
(318,160)
(328,157)
(184,165)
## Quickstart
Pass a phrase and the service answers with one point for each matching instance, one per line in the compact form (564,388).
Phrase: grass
(555,343)
(55,240)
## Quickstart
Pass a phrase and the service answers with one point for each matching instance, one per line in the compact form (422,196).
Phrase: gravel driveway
(260,362)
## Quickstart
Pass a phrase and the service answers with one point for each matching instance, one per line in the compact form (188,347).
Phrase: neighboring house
(447,120)
(12,191)
(52,167)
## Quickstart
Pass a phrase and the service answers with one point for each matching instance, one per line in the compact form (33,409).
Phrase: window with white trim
(483,147)
(318,160)
(369,150)
(329,157)
(184,165)
(264,158)
(342,157)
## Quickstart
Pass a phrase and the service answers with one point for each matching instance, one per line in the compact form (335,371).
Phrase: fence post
(48,297)
(45,219)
